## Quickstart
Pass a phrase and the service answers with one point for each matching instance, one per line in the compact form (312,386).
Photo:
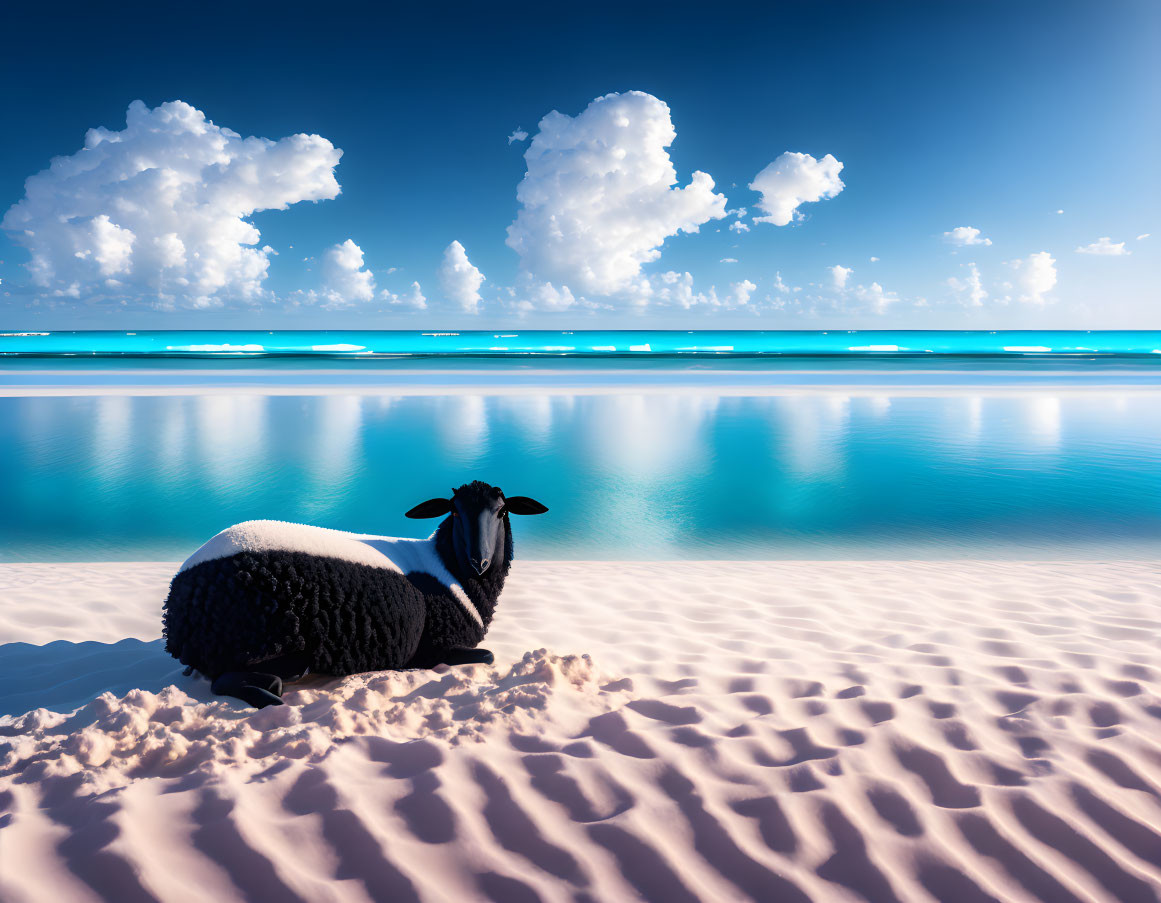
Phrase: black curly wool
(233,613)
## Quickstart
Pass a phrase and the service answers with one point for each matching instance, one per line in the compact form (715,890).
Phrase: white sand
(787,731)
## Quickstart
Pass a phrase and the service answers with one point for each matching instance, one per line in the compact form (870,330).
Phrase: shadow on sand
(61,676)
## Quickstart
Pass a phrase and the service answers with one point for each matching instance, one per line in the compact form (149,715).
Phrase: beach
(826,731)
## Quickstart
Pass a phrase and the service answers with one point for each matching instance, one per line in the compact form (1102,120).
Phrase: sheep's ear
(522,504)
(430,508)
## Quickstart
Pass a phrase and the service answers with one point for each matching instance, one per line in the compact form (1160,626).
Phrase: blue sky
(944,116)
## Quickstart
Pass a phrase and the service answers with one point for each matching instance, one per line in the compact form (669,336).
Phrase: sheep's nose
(481,566)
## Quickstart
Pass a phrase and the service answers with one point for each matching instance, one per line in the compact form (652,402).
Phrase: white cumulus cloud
(518,135)
(877,297)
(413,298)
(157,212)
(792,180)
(839,275)
(740,292)
(738,226)
(964,236)
(1035,277)
(1104,247)
(674,289)
(345,281)
(971,288)
(460,281)
(599,197)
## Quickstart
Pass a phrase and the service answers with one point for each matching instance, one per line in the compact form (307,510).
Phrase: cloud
(876,296)
(599,198)
(1058,212)
(740,292)
(840,275)
(739,226)
(1104,247)
(459,280)
(546,296)
(345,281)
(1143,236)
(728,260)
(1035,277)
(874,260)
(518,135)
(413,299)
(963,236)
(779,286)
(157,212)
(970,289)
(794,179)
(674,289)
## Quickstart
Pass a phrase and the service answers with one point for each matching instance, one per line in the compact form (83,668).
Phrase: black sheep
(267,601)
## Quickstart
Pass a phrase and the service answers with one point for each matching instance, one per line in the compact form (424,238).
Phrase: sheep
(267,601)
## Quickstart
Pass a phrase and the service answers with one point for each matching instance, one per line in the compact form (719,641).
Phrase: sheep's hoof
(253,687)
(463,656)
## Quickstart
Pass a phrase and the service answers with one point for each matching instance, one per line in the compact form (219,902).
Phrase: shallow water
(634,343)
(666,476)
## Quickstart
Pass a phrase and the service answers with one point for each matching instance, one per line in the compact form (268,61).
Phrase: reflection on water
(626,476)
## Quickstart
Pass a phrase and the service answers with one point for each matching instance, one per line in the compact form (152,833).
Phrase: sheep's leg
(253,687)
(462,655)
(291,666)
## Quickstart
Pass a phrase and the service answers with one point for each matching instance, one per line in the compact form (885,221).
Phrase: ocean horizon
(359,344)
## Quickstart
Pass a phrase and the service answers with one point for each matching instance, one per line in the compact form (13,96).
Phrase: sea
(645,445)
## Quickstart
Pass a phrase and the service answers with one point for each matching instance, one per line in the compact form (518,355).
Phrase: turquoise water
(605,343)
(1043,473)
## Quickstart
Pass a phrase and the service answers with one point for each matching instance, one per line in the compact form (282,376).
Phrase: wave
(596,343)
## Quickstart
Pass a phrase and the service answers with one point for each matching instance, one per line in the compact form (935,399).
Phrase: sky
(803,165)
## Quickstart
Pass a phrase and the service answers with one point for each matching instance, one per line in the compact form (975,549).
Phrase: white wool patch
(403,556)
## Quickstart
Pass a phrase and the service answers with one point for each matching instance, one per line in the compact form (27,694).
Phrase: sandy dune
(724,731)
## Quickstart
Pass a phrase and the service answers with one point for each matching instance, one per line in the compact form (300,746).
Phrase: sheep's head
(478,514)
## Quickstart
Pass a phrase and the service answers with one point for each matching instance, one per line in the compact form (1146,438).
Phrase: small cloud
(1140,237)
(792,180)
(739,226)
(839,275)
(518,135)
(1035,277)
(459,280)
(970,289)
(963,236)
(347,281)
(874,260)
(740,292)
(1104,247)
(876,296)
(413,299)
(728,260)
(1058,212)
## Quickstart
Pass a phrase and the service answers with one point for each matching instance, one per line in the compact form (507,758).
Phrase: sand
(668,731)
